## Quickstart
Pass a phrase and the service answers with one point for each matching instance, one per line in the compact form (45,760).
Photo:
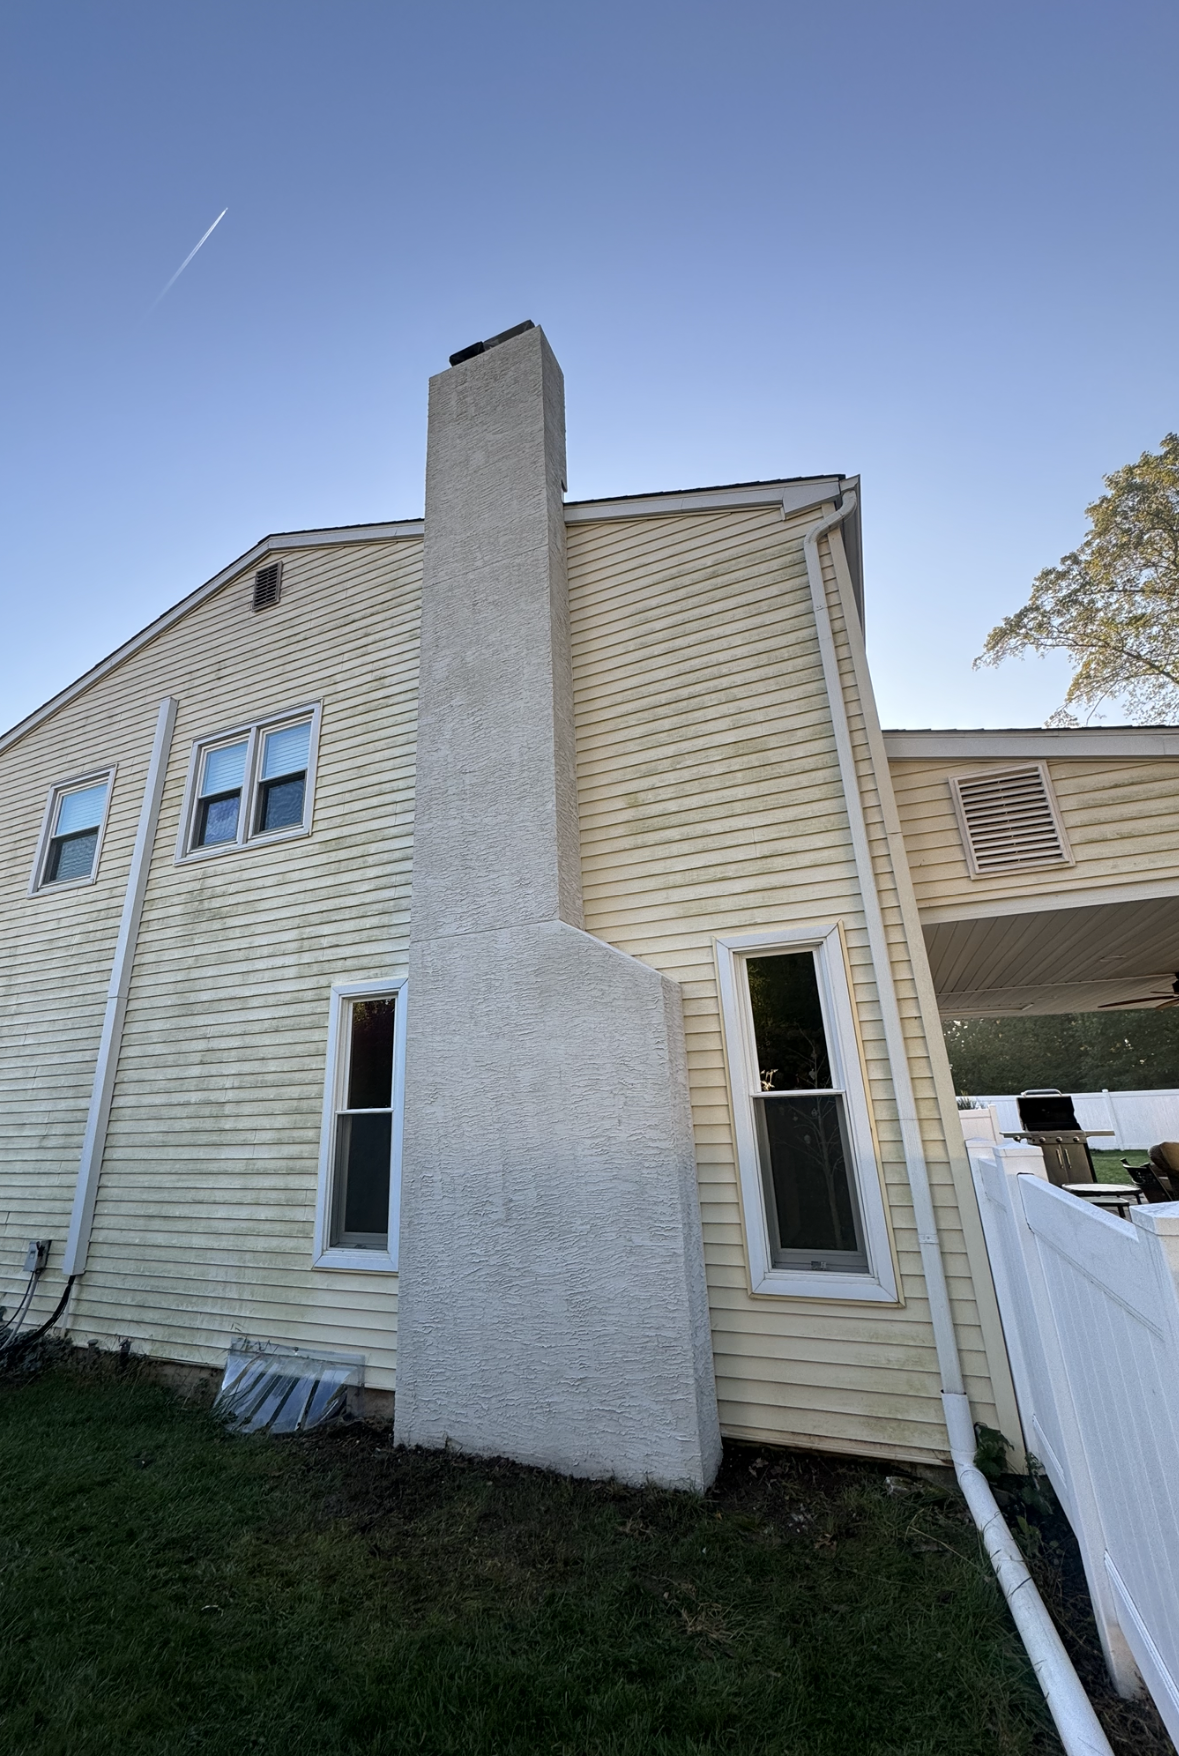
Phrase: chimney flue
(493,341)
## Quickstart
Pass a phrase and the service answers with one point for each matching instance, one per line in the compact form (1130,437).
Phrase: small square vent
(1009,820)
(267,585)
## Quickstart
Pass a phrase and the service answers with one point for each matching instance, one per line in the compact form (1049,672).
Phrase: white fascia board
(1036,745)
(1050,901)
(792,497)
(284,540)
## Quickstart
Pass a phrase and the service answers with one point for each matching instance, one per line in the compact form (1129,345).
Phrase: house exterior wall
(1121,816)
(710,803)
(203,1224)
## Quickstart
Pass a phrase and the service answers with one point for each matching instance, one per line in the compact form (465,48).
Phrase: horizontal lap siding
(1121,815)
(203,1228)
(711,803)
(55,964)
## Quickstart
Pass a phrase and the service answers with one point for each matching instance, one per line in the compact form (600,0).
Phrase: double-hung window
(71,835)
(251,784)
(360,1155)
(814,1210)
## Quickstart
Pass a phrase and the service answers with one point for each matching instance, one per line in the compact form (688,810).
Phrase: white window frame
(879,1283)
(37,884)
(325,1253)
(254,732)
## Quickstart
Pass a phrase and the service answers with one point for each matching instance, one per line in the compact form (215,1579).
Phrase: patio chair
(1148,1180)
(1165,1159)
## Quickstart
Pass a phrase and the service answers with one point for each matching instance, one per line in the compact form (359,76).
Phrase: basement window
(811,1188)
(360,1156)
(71,832)
(252,784)
(1009,820)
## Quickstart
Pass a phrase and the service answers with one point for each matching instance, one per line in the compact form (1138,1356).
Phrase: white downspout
(109,1043)
(1079,1728)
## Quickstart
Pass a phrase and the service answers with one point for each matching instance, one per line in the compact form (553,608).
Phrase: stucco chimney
(552,1303)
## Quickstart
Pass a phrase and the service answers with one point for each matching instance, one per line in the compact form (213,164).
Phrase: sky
(931,244)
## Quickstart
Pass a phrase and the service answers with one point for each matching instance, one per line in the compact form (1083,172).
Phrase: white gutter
(110,1041)
(1079,1728)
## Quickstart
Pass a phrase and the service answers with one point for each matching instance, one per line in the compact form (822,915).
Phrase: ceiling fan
(1161,1001)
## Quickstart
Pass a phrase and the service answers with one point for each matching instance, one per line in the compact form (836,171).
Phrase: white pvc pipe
(1079,1728)
(1070,1707)
(110,1040)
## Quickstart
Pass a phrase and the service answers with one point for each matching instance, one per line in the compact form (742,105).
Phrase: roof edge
(278,542)
(791,493)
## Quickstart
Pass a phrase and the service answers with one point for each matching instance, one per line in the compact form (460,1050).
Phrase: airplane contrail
(188,259)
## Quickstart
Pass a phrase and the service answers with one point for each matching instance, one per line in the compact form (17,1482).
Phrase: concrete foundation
(552,1301)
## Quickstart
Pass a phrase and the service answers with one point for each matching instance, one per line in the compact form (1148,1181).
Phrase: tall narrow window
(360,1148)
(801,1121)
(219,802)
(72,832)
(812,1191)
(364,1128)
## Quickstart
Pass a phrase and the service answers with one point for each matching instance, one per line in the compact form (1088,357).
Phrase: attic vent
(267,585)
(1009,819)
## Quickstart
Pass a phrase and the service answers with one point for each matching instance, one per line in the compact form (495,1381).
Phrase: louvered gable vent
(1009,819)
(267,585)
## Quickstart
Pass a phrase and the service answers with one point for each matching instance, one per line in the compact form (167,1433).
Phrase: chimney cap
(493,341)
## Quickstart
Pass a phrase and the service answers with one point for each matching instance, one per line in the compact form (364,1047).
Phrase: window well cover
(284,1390)
(1009,819)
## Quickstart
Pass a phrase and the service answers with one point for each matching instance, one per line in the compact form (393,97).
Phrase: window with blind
(71,834)
(252,784)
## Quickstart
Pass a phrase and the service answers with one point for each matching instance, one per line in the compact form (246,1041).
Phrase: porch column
(552,1303)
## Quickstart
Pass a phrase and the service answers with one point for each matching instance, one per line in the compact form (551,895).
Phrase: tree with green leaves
(1076,1051)
(1113,604)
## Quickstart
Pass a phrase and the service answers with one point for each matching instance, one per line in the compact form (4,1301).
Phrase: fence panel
(1046,1411)
(1090,1308)
(1114,1294)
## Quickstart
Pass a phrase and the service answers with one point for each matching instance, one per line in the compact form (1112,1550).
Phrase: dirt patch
(802,1502)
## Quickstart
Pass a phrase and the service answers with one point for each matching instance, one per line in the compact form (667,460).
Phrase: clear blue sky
(931,243)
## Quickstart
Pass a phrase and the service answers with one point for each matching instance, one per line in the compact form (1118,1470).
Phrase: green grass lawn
(169,1588)
(1109,1168)
(1108,1165)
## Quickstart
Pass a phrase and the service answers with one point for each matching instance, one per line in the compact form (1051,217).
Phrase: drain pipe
(1079,1728)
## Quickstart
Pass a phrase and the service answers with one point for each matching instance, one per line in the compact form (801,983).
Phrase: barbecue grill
(1050,1122)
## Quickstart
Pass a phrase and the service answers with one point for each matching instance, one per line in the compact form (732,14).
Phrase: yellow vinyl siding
(1121,816)
(203,1227)
(711,803)
(55,963)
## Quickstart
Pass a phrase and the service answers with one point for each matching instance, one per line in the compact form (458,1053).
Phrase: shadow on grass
(170,1588)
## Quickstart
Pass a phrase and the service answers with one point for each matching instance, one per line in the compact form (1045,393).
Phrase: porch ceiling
(1054,960)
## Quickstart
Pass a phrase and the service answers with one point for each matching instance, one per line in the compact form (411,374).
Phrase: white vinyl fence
(1090,1308)
(1138,1118)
